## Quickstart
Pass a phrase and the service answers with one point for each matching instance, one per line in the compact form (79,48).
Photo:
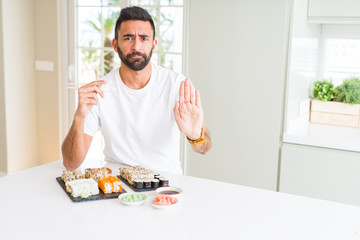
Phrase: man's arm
(76,144)
(189,116)
(205,147)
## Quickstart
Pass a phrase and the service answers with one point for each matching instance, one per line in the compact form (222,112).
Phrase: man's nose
(137,45)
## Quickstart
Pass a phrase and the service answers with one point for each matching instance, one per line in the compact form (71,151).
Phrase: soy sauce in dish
(169,192)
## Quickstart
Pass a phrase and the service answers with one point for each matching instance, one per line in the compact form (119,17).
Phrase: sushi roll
(147,183)
(138,183)
(95,173)
(155,183)
(110,184)
(82,187)
(163,182)
(71,175)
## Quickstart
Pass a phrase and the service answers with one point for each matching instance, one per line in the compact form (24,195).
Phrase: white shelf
(319,135)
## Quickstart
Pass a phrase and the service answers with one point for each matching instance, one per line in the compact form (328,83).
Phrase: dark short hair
(133,13)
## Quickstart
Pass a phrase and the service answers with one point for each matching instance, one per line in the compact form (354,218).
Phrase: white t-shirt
(139,126)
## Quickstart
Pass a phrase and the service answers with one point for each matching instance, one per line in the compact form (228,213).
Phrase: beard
(135,64)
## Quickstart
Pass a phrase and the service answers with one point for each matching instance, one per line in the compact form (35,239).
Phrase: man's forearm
(204,147)
(73,147)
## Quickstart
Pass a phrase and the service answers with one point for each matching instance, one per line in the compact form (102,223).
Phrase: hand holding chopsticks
(87,97)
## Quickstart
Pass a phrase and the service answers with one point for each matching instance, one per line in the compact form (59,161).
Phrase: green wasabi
(134,198)
(84,195)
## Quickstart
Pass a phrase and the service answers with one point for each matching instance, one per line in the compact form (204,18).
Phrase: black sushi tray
(136,189)
(100,196)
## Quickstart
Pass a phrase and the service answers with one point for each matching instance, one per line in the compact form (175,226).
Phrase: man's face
(135,44)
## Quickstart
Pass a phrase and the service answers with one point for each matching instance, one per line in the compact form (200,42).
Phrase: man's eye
(144,38)
(127,38)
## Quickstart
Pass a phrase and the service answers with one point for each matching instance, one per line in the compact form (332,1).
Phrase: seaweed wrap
(163,182)
(155,183)
(147,183)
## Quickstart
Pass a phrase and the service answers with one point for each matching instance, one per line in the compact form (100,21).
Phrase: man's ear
(114,44)
(154,44)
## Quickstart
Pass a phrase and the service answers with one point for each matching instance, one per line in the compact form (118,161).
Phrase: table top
(32,203)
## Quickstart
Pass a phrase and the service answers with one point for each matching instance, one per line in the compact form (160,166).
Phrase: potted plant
(336,106)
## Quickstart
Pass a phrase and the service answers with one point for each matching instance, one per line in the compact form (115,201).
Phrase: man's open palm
(189,114)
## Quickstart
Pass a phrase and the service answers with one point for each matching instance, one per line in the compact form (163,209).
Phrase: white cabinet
(334,11)
(320,173)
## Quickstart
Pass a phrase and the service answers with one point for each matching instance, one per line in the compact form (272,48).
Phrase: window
(93,56)
(168,20)
(95,30)
(341,52)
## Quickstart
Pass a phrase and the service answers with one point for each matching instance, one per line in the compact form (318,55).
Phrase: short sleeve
(92,121)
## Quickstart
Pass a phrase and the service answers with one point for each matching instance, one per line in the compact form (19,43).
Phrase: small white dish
(124,198)
(171,191)
(161,207)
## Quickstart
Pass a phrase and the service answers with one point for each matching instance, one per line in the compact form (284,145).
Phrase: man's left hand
(189,114)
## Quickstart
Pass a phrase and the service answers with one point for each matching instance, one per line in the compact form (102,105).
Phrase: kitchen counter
(32,204)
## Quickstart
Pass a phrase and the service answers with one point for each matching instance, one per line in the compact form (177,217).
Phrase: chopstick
(75,86)
(82,84)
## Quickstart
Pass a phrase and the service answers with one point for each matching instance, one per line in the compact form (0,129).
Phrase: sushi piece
(95,173)
(117,187)
(82,187)
(139,184)
(139,177)
(155,183)
(78,174)
(110,184)
(71,175)
(105,184)
(67,176)
(163,182)
(147,183)
(135,173)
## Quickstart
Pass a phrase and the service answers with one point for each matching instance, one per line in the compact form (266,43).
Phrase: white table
(32,203)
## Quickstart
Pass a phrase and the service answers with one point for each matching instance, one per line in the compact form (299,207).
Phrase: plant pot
(335,113)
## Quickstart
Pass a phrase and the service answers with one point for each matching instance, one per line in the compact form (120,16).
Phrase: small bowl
(137,203)
(162,207)
(171,191)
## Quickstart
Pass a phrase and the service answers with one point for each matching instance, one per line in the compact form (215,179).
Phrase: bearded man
(142,118)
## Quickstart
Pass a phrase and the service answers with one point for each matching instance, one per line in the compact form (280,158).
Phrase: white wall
(47,83)
(29,99)
(237,60)
(20,85)
(3,148)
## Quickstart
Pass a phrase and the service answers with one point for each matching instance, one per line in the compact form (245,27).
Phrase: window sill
(318,135)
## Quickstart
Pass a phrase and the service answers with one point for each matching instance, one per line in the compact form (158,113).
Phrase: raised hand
(87,97)
(189,114)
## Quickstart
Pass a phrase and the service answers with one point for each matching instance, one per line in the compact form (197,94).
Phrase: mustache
(136,53)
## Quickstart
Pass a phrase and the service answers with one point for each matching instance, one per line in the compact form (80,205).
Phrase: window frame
(69,64)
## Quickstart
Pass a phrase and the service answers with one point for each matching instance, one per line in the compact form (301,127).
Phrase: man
(140,122)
